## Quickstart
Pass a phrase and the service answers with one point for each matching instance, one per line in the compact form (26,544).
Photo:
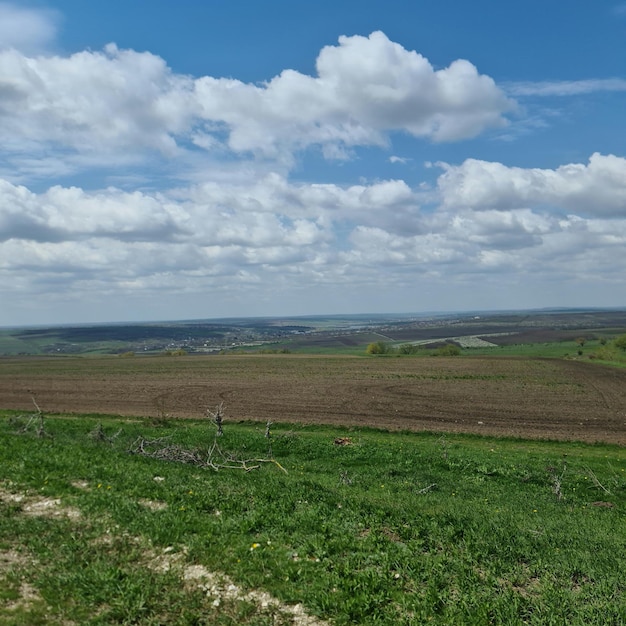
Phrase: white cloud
(92,102)
(566,87)
(99,105)
(597,188)
(28,30)
(365,88)
(269,234)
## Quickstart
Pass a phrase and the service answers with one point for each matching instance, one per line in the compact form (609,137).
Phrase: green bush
(620,342)
(449,349)
(409,348)
(177,352)
(378,347)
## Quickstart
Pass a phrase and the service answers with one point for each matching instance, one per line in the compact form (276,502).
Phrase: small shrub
(606,353)
(449,349)
(378,347)
(177,352)
(409,348)
(620,342)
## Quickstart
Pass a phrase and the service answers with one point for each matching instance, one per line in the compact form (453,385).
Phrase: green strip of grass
(388,529)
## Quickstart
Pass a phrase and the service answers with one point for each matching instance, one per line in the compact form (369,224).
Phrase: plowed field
(555,399)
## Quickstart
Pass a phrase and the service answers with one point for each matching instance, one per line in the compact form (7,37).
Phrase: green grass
(395,528)
(592,351)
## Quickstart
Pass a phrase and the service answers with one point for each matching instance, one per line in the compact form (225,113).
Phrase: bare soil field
(534,398)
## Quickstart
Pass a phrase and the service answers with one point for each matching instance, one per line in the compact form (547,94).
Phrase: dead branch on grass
(215,459)
(218,417)
(444,447)
(596,482)
(218,459)
(419,492)
(35,419)
(557,480)
(98,434)
(268,436)
(162,451)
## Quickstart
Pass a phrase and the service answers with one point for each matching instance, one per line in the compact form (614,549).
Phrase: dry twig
(37,418)
(218,417)
(595,481)
(557,480)
(98,434)
(426,489)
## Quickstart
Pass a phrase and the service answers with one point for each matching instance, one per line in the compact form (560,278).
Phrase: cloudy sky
(181,160)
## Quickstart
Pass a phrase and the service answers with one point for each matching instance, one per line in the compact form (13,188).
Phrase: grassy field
(592,350)
(350,526)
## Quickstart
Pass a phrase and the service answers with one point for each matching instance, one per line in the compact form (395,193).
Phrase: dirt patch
(13,561)
(153,505)
(28,596)
(531,398)
(10,559)
(38,506)
(220,588)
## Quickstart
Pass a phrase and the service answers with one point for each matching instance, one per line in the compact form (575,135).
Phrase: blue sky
(164,160)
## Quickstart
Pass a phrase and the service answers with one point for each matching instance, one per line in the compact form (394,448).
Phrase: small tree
(378,347)
(620,342)
(581,341)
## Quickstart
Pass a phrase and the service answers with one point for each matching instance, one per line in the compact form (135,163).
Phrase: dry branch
(35,418)
(215,458)
(595,481)
(426,489)
(218,417)
(557,480)
(98,434)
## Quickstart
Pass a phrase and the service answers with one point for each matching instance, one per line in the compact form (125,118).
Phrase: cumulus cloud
(365,87)
(270,233)
(99,104)
(596,188)
(29,30)
(91,102)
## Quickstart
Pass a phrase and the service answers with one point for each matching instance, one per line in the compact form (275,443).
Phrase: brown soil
(536,398)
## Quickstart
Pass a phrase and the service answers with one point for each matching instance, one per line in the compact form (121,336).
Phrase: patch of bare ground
(39,506)
(14,563)
(28,596)
(220,588)
(153,505)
